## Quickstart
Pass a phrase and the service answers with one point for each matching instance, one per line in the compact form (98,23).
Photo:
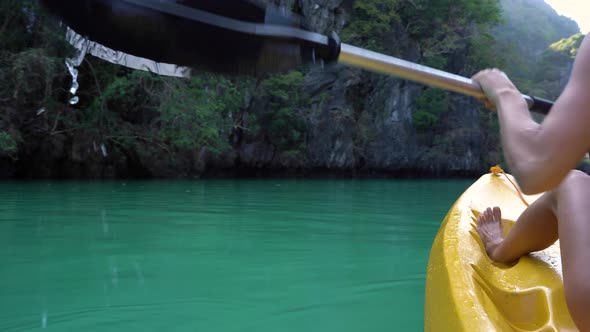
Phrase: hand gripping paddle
(236,37)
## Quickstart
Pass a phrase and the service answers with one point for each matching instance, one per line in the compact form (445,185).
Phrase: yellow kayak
(466,291)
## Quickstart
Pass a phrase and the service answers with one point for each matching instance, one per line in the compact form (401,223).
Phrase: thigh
(571,209)
(572,198)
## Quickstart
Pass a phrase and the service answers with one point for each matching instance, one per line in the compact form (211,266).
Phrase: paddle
(237,37)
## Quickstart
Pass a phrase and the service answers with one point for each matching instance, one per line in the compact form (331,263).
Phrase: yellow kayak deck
(466,291)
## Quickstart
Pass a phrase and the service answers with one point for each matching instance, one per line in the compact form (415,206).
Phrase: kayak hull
(466,291)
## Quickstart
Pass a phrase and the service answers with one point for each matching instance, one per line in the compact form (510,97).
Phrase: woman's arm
(540,156)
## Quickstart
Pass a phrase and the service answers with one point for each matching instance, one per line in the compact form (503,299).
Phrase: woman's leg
(573,198)
(537,228)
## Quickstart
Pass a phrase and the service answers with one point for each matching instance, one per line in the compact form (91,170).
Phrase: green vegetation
(371,21)
(522,37)
(430,106)
(177,114)
(446,28)
(8,144)
(149,119)
(530,34)
(281,123)
(568,46)
(553,64)
(442,27)
(124,110)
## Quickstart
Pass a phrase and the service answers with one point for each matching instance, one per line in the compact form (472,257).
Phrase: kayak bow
(466,291)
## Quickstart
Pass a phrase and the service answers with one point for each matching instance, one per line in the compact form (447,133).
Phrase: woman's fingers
(492,81)
(488,104)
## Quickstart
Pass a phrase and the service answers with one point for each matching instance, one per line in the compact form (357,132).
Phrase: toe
(497,213)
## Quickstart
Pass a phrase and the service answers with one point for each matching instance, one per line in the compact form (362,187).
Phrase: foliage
(7,143)
(484,52)
(442,26)
(179,113)
(34,75)
(371,19)
(542,28)
(31,52)
(282,124)
(424,120)
(446,27)
(524,36)
(23,25)
(554,66)
(196,115)
(568,46)
(430,106)
(138,113)
(13,29)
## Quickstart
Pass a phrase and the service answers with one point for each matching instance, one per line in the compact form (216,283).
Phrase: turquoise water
(218,255)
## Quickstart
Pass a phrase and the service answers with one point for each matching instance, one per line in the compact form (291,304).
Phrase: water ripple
(217,255)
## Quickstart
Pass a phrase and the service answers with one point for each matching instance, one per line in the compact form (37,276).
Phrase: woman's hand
(494,84)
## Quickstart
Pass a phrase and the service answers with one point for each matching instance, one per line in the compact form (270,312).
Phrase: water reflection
(103,220)
(44,319)
(140,278)
(114,271)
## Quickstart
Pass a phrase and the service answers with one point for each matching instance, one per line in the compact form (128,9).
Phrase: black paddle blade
(227,36)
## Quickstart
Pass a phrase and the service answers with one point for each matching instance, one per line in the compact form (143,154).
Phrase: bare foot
(489,228)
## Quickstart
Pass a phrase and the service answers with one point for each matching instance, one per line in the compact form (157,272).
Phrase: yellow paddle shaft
(385,64)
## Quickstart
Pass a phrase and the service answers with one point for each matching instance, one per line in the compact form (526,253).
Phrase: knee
(575,176)
(575,179)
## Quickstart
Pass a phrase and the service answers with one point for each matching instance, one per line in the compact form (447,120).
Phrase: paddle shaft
(380,63)
(223,41)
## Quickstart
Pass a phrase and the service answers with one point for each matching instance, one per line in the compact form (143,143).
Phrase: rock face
(361,123)
(356,124)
